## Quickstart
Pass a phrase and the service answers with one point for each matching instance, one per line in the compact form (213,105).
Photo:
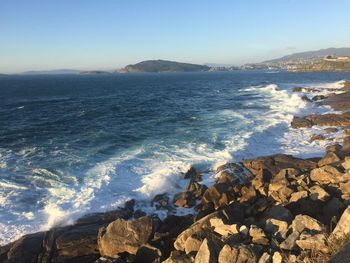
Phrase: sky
(109,34)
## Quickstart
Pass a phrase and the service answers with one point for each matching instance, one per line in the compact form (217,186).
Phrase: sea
(77,144)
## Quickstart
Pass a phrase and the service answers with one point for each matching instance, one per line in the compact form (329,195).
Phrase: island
(163,66)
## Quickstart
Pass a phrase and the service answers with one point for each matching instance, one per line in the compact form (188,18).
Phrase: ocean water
(71,145)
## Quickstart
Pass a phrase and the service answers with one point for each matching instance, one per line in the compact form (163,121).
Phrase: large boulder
(217,195)
(343,227)
(125,236)
(329,158)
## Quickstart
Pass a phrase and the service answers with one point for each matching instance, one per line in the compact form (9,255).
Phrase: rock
(218,195)
(274,226)
(331,130)
(332,209)
(194,242)
(178,257)
(247,194)
(346,132)
(277,257)
(193,175)
(161,201)
(125,236)
(208,252)
(326,174)
(237,254)
(196,189)
(346,163)
(298,89)
(184,199)
(265,258)
(278,188)
(318,193)
(78,241)
(317,137)
(343,227)
(302,222)
(289,242)
(258,236)
(346,141)
(329,158)
(305,98)
(279,213)
(297,196)
(315,242)
(342,256)
(244,230)
(201,224)
(298,122)
(345,190)
(222,229)
(147,253)
(318,97)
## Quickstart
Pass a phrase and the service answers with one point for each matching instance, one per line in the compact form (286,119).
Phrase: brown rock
(326,174)
(125,236)
(302,222)
(346,163)
(273,226)
(258,236)
(343,227)
(329,158)
(332,209)
(312,242)
(301,123)
(331,130)
(147,253)
(184,199)
(208,252)
(317,137)
(290,242)
(178,257)
(318,193)
(218,194)
(297,196)
(237,254)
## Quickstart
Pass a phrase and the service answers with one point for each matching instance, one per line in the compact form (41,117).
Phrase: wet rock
(161,201)
(193,175)
(316,242)
(317,137)
(298,89)
(329,158)
(125,236)
(184,199)
(343,227)
(208,252)
(237,254)
(331,130)
(196,189)
(318,97)
(306,98)
(302,222)
(318,193)
(298,122)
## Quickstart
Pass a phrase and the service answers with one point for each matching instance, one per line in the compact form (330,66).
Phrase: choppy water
(70,145)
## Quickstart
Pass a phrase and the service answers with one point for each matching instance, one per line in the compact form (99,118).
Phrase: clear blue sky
(92,34)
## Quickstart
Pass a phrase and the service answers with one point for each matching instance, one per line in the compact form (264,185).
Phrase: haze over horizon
(82,35)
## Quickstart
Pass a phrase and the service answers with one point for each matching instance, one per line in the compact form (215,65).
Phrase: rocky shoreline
(270,209)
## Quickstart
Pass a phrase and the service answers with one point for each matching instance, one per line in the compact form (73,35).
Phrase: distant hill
(163,66)
(51,72)
(309,55)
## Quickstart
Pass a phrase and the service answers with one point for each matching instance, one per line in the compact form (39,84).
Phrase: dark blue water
(76,144)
